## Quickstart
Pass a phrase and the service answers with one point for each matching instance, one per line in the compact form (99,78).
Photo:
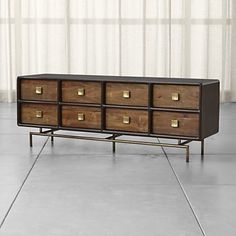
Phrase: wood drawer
(81,117)
(127,94)
(81,92)
(43,114)
(176,123)
(126,120)
(176,96)
(40,90)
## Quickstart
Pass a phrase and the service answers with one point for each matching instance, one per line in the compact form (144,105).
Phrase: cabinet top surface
(111,78)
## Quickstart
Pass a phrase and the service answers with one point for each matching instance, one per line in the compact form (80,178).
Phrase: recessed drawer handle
(81,92)
(126,119)
(126,94)
(174,123)
(39,90)
(175,96)
(39,114)
(81,117)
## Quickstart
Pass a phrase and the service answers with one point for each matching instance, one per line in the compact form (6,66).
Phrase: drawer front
(40,90)
(39,114)
(81,92)
(176,123)
(81,117)
(126,120)
(127,94)
(176,96)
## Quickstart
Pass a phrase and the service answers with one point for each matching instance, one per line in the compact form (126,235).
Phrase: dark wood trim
(103,101)
(123,79)
(150,104)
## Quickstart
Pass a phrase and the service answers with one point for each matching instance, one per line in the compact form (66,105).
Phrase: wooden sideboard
(182,109)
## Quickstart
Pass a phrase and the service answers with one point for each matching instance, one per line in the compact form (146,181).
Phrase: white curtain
(165,38)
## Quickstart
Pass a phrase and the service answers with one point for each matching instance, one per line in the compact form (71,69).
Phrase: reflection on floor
(79,188)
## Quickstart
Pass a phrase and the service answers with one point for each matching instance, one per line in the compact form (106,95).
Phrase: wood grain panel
(138,120)
(49,114)
(188,123)
(188,96)
(49,90)
(92,117)
(92,92)
(138,94)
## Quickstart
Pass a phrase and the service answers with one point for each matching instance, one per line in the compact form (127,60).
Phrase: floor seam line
(183,191)
(23,183)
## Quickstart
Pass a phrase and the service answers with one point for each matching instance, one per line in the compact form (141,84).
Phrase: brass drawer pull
(175,96)
(126,120)
(39,90)
(81,117)
(81,92)
(174,123)
(39,114)
(126,94)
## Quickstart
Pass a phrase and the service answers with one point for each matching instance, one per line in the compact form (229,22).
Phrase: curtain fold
(164,38)
(232,82)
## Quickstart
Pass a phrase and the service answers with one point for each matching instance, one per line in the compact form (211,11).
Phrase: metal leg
(202,147)
(113,144)
(52,138)
(187,153)
(30,140)
(179,141)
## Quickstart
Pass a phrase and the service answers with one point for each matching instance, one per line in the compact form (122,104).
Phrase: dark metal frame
(112,139)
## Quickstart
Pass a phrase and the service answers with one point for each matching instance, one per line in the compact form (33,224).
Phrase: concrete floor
(78,188)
